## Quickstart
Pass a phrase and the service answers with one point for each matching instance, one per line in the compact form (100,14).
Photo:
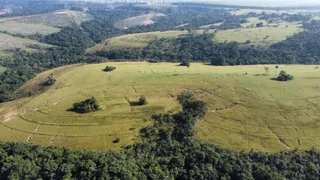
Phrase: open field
(267,116)
(141,20)
(264,36)
(259,11)
(55,19)
(139,40)
(9,42)
(14,27)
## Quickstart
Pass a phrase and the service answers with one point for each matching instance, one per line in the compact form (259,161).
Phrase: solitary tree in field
(266,68)
(277,67)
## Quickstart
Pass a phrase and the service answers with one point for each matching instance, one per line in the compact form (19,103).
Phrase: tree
(86,106)
(283,76)
(266,69)
(277,67)
(109,68)
(142,101)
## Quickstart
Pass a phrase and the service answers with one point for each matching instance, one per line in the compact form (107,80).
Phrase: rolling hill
(246,110)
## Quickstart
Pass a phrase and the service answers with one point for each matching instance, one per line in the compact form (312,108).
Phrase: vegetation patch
(49,82)
(283,76)
(141,101)
(86,106)
(109,68)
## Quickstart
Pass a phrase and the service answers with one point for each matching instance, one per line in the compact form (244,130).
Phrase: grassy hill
(141,20)
(246,109)
(139,40)
(263,36)
(8,42)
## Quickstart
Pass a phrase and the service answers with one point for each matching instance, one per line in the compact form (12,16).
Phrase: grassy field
(26,28)
(259,11)
(139,40)
(9,42)
(268,116)
(264,36)
(55,19)
(141,20)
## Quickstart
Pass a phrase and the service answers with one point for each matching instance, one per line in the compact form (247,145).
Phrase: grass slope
(26,28)
(268,116)
(55,19)
(141,20)
(139,40)
(264,36)
(9,42)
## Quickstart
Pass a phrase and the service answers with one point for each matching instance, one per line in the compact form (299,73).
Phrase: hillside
(269,116)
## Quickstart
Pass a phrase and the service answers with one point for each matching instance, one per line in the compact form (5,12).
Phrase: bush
(283,76)
(185,63)
(86,106)
(50,81)
(142,101)
(109,68)
(116,140)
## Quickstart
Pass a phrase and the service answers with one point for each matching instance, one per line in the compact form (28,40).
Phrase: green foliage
(185,63)
(50,81)
(109,68)
(283,76)
(86,106)
(116,140)
(142,101)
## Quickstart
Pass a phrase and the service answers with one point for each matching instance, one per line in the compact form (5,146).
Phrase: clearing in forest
(141,20)
(246,110)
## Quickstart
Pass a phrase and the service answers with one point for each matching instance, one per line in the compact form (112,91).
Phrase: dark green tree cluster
(283,76)
(86,106)
(109,68)
(49,82)
(141,101)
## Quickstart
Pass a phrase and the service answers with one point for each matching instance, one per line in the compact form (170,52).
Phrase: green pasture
(14,27)
(10,42)
(269,116)
(139,40)
(44,22)
(263,36)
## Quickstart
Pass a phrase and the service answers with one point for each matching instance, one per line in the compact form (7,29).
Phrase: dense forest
(168,151)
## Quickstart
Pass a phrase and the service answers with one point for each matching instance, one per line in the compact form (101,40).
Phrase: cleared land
(141,20)
(9,42)
(264,36)
(267,116)
(259,11)
(139,40)
(55,19)
(26,28)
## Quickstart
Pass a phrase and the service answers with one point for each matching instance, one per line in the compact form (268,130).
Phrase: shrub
(283,76)
(86,106)
(185,63)
(116,140)
(50,81)
(109,68)
(142,101)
